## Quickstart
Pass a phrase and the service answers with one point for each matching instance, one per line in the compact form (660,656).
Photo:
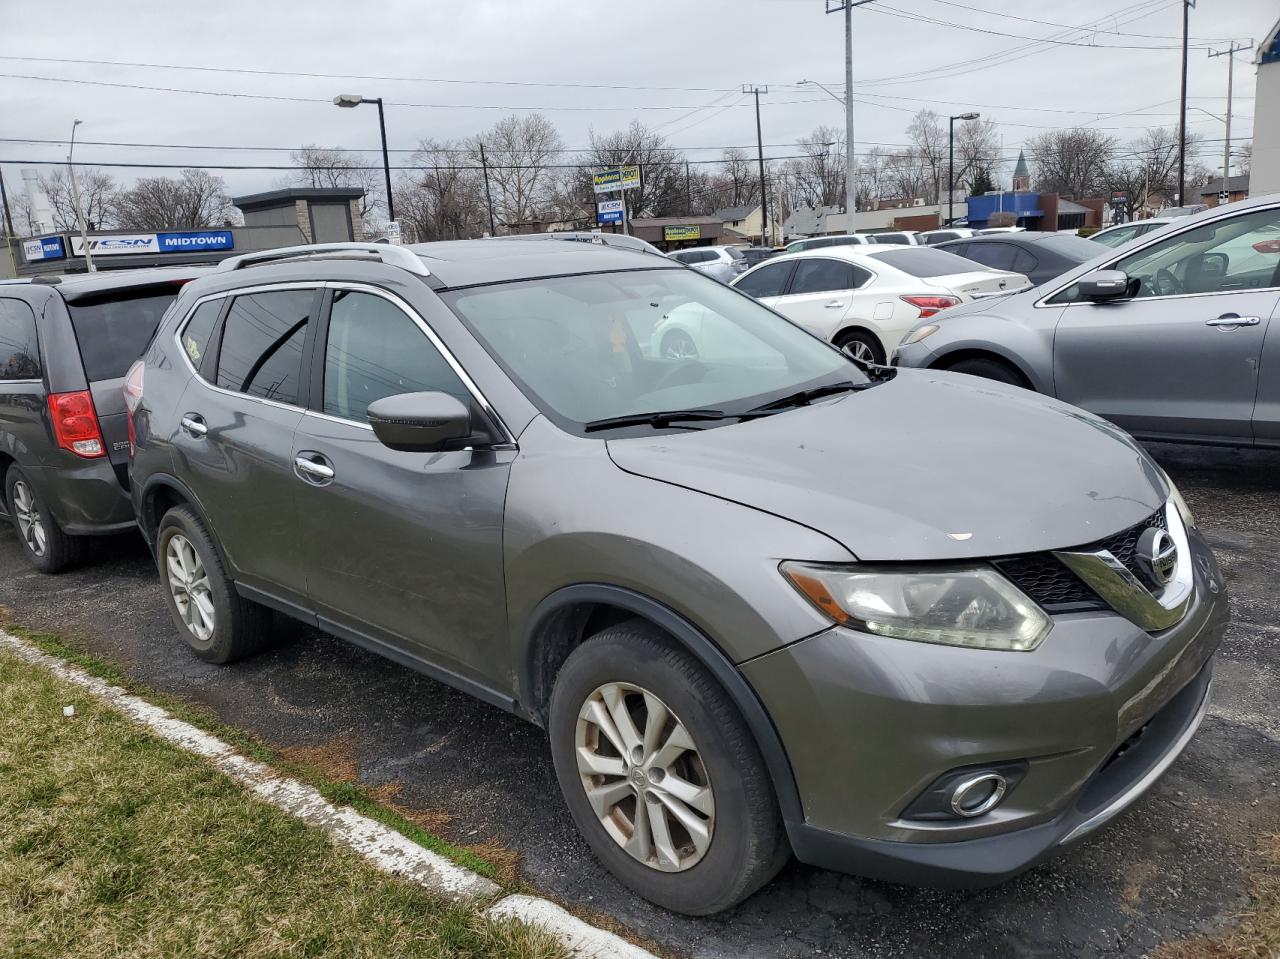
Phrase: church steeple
(1021,174)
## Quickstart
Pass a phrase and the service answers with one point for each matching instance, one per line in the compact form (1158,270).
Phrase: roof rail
(387,253)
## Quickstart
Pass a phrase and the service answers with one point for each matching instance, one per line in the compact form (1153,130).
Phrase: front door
(404,549)
(1181,357)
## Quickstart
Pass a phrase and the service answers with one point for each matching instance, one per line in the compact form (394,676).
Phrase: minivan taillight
(75,424)
(930,305)
(133,398)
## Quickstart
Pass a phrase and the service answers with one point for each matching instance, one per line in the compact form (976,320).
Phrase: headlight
(956,606)
(1183,509)
(919,333)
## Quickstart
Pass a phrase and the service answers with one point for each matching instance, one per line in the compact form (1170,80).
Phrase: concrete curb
(385,848)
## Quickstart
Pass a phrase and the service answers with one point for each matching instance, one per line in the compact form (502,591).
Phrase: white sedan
(865,298)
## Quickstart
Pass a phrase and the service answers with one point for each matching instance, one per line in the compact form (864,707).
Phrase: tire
(865,346)
(679,345)
(217,623)
(45,545)
(990,369)
(723,777)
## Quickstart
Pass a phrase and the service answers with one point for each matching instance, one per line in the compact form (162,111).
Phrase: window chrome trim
(509,438)
(1154,239)
(4,382)
(222,295)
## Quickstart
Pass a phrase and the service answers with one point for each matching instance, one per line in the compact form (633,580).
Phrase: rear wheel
(661,774)
(991,369)
(217,623)
(45,545)
(863,347)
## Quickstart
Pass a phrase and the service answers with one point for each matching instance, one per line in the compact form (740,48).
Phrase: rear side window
(734,252)
(113,331)
(925,261)
(766,280)
(199,331)
(262,339)
(998,256)
(821,276)
(19,351)
(1024,262)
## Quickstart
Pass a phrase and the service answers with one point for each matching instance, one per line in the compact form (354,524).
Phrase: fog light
(978,795)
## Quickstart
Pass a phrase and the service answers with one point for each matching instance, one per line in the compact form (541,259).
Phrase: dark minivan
(65,346)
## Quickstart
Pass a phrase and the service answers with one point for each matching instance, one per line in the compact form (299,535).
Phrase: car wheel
(217,623)
(679,345)
(661,774)
(990,369)
(863,347)
(46,546)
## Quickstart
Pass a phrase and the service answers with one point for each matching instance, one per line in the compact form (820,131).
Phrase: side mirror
(1103,285)
(419,422)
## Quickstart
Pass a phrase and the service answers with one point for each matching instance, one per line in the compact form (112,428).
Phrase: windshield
(925,262)
(594,347)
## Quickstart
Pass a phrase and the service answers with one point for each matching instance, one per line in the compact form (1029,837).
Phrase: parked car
(898,237)
(1166,336)
(762,607)
(1121,233)
(719,262)
(820,242)
(1038,256)
(1188,210)
(862,299)
(932,237)
(755,255)
(65,344)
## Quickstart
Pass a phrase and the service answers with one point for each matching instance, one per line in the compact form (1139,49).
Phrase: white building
(1264,171)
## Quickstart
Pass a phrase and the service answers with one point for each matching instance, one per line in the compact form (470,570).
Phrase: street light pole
(851,164)
(349,100)
(75,198)
(1229,53)
(951,161)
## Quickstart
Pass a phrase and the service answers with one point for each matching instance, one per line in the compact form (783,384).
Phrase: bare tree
(197,198)
(1073,162)
(522,154)
(443,199)
(97,198)
(928,140)
(1243,155)
(1149,167)
(662,189)
(329,168)
(977,147)
(818,173)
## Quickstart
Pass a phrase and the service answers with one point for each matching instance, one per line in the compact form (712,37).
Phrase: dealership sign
(677,233)
(617,178)
(44,248)
(174,241)
(610,211)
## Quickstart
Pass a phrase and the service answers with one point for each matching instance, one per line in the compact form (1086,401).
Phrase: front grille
(1056,589)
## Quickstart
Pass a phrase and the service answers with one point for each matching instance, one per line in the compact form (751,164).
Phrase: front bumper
(869,723)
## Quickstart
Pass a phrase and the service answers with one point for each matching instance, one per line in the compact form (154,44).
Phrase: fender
(705,651)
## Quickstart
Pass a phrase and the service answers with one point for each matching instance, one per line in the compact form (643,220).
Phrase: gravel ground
(1175,864)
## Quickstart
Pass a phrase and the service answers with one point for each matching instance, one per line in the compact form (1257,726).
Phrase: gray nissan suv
(905,624)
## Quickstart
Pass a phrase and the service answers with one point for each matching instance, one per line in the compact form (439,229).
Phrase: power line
(1049,23)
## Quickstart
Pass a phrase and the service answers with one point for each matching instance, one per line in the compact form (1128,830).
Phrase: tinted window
(933,238)
(734,253)
(890,238)
(113,331)
(820,276)
(1024,262)
(1117,236)
(1074,248)
(765,281)
(262,340)
(195,338)
(998,256)
(375,350)
(19,352)
(924,261)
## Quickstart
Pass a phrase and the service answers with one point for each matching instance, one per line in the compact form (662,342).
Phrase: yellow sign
(618,178)
(676,233)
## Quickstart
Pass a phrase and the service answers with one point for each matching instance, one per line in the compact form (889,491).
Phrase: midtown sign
(174,241)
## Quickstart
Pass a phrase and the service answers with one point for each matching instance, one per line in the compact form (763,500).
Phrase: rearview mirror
(1103,285)
(419,422)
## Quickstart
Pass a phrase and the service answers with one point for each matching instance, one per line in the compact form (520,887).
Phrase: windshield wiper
(657,419)
(805,397)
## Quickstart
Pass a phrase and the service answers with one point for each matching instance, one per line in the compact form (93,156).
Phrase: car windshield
(1073,247)
(924,261)
(600,346)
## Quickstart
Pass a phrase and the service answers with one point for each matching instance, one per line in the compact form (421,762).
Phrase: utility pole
(1229,53)
(8,224)
(764,193)
(488,197)
(850,161)
(1182,107)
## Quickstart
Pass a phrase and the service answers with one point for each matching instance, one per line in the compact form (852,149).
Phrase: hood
(927,466)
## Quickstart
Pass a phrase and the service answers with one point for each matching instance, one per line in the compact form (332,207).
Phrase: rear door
(821,294)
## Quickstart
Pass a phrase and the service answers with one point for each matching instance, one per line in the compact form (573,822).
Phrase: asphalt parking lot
(1174,865)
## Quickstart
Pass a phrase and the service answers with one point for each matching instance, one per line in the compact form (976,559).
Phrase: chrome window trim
(4,382)
(1043,302)
(224,294)
(459,371)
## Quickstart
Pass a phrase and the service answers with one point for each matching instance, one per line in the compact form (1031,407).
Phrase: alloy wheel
(861,351)
(30,522)
(189,585)
(644,778)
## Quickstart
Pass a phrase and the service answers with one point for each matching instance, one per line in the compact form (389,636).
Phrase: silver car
(1165,336)
(722,263)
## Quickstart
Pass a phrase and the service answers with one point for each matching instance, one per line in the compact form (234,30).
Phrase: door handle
(834,304)
(1233,320)
(314,469)
(194,424)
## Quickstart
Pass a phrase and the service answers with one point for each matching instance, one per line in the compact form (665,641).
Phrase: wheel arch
(947,360)
(160,494)
(563,620)
(847,328)
(5,462)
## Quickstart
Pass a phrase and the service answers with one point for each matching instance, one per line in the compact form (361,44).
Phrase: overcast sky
(689,58)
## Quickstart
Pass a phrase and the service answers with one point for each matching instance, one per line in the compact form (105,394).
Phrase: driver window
(1242,253)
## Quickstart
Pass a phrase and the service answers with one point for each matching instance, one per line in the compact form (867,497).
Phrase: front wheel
(661,774)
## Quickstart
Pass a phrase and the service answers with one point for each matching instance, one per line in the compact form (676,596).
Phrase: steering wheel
(1166,283)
